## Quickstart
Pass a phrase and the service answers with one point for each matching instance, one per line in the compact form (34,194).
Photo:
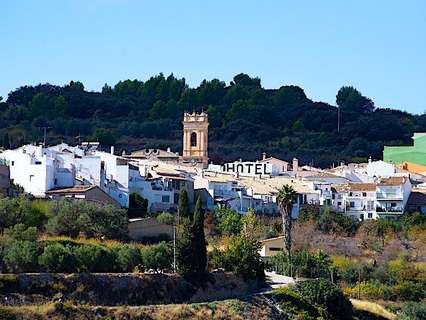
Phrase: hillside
(245,119)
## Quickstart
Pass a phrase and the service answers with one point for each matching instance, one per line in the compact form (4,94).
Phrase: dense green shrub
(328,220)
(409,291)
(157,257)
(21,256)
(323,292)
(295,306)
(229,221)
(303,264)
(372,290)
(127,258)
(90,258)
(166,218)
(413,311)
(57,258)
(241,257)
(21,232)
(72,217)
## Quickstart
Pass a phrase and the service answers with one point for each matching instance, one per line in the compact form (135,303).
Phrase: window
(56,181)
(370,215)
(352,204)
(31,177)
(364,194)
(393,204)
(13,163)
(350,194)
(339,203)
(193,139)
(275,249)
(165,199)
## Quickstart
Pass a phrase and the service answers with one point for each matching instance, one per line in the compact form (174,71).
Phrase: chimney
(264,156)
(112,149)
(123,153)
(168,149)
(295,165)
(369,159)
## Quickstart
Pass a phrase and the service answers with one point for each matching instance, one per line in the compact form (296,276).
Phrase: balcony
(393,210)
(389,195)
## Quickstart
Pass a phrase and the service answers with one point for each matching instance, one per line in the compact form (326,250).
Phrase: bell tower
(195,137)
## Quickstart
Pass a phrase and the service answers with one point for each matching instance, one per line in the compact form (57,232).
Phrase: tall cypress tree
(199,240)
(183,209)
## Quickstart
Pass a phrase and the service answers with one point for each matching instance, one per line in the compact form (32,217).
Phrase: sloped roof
(392,181)
(75,189)
(362,187)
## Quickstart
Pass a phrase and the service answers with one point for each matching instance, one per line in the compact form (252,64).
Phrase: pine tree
(199,240)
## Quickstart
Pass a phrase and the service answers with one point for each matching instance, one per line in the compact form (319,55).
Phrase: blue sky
(377,46)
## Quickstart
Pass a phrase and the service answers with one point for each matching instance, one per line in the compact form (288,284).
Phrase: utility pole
(338,119)
(44,135)
(174,247)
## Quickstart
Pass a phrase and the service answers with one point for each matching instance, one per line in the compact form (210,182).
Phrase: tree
(242,257)
(350,99)
(138,206)
(199,240)
(183,209)
(229,221)
(285,197)
(21,256)
(107,221)
(70,218)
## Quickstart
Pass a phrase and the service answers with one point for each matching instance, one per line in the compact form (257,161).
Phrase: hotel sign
(243,168)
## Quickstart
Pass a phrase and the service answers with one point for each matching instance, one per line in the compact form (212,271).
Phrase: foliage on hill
(245,118)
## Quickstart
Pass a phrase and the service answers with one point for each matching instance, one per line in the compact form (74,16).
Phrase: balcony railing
(389,210)
(389,195)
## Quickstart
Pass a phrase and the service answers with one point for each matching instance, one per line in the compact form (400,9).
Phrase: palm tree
(285,197)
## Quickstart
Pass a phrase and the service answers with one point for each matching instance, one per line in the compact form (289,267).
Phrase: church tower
(195,137)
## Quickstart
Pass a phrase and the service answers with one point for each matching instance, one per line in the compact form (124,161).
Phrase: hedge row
(29,256)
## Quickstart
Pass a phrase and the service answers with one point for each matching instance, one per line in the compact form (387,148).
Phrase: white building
(38,170)
(392,196)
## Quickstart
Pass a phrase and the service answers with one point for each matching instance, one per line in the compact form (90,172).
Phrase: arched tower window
(193,139)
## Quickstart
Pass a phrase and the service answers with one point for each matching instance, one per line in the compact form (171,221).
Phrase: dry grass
(372,308)
(234,309)
(41,309)
(90,241)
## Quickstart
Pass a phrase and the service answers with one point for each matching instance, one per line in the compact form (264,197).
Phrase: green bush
(92,258)
(294,306)
(21,256)
(157,257)
(57,258)
(229,221)
(127,258)
(372,290)
(241,257)
(323,292)
(166,218)
(36,214)
(72,217)
(409,291)
(21,232)
(303,264)
(413,311)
